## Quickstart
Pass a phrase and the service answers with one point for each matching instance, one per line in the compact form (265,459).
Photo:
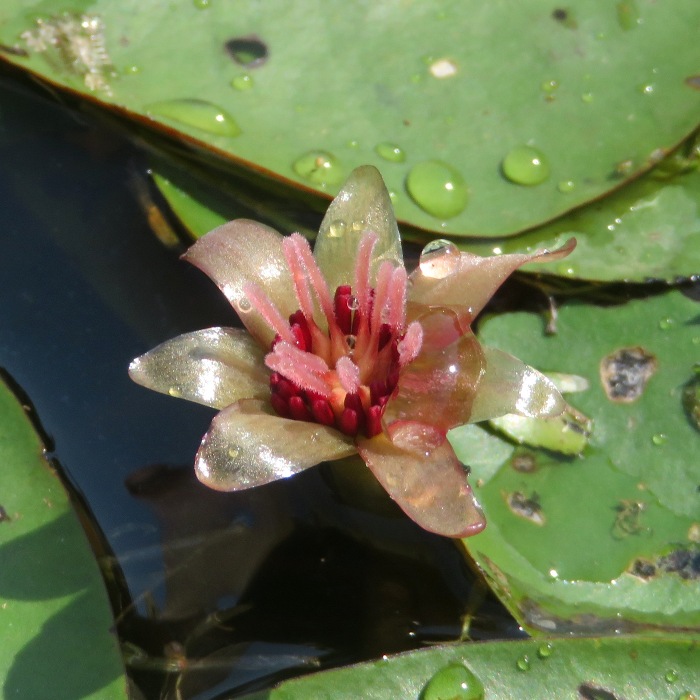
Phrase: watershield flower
(346,353)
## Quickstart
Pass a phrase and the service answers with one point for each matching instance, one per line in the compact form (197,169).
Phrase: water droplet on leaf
(666,323)
(587,97)
(628,14)
(336,229)
(242,82)
(437,188)
(439,259)
(671,676)
(453,682)
(201,4)
(545,650)
(319,168)
(390,152)
(566,186)
(523,663)
(525,165)
(659,439)
(197,113)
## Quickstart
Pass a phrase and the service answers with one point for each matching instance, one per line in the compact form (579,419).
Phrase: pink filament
(270,313)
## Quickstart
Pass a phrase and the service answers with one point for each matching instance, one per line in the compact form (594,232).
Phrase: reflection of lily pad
(632,668)
(619,534)
(647,230)
(56,620)
(486,119)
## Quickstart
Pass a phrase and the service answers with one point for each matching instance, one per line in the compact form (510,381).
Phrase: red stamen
(348,423)
(322,412)
(298,410)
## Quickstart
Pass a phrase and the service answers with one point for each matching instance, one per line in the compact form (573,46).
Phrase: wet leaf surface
(646,230)
(57,623)
(474,137)
(615,541)
(620,669)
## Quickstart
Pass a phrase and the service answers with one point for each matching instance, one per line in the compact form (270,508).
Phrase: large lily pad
(57,639)
(608,540)
(649,229)
(597,669)
(438,97)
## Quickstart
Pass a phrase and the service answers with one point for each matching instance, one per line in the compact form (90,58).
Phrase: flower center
(340,364)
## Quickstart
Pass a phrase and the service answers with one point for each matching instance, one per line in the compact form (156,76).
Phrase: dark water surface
(237,589)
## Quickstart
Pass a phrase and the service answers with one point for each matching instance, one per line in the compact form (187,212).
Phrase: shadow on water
(227,590)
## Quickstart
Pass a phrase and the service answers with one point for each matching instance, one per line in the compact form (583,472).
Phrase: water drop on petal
(439,259)
(197,113)
(390,152)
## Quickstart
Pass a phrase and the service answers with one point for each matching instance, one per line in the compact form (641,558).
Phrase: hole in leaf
(524,507)
(248,51)
(625,373)
(590,692)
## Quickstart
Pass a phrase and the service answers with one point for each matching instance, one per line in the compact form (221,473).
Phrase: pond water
(237,589)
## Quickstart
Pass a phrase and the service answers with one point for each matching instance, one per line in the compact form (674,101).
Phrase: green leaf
(451,102)
(609,540)
(57,638)
(600,669)
(646,230)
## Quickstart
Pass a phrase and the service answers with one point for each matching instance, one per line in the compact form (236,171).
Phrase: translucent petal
(419,470)
(476,279)
(363,204)
(510,386)
(439,386)
(244,251)
(247,445)
(215,367)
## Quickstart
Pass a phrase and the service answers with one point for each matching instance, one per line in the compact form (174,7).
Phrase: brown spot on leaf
(693,81)
(524,507)
(524,462)
(625,373)
(592,692)
(683,562)
(4,517)
(628,519)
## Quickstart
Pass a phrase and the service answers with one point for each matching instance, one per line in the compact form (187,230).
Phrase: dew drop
(244,305)
(523,663)
(525,165)
(647,88)
(358,225)
(628,14)
(132,70)
(439,259)
(545,650)
(232,452)
(659,439)
(319,168)
(687,696)
(353,303)
(671,676)
(351,340)
(390,152)
(443,68)
(242,82)
(437,188)
(666,323)
(353,143)
(587,97)
(173,391)
(197,113)
(336,229)
(201,4)
(566,186)
(549,86)
(453,682)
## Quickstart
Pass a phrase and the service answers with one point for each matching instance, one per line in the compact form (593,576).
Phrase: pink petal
(362,205)
(248,445)
(439,386)
(215,367)
(419,470)
(241,252)
(510,386)
(476,279)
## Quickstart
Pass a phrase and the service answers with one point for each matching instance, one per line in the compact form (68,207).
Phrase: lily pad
(646,230)
(600,669)
(57,636)
(608,540)
(476,113)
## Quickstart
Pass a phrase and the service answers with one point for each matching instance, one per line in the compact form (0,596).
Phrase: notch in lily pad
(249,51)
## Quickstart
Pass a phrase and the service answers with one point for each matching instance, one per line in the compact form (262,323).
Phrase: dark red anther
(300,329)
(385,335)
(322,412)
(341,304)
(298,410)
(374,421)
(280,405)
(354,403)
(348,422)
(285,389)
